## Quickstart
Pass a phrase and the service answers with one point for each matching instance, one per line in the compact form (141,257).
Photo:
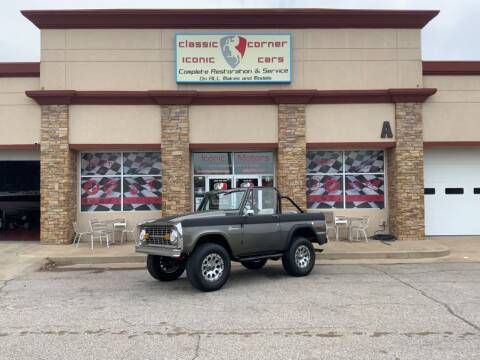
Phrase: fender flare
(294,228)
(214,233)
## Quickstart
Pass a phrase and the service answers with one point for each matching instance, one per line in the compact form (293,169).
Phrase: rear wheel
(254,264)
(208,268)
(165,268)
(299,259)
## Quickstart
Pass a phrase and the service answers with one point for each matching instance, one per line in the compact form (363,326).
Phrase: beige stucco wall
(233,124)
(19,115)
(115,124)
(348,122)
(143,59)
(453,113)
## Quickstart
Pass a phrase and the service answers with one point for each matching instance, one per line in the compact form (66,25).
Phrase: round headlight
(141,237)
(174,237)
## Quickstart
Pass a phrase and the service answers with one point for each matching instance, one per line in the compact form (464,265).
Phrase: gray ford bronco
(249,225)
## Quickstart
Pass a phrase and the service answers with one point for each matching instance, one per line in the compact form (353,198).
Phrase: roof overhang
(269,97)
(451,68)
(229,18)
(20,69)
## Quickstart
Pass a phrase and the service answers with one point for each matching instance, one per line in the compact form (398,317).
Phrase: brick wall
(405,174)
(176,175)
(57,177)
(291,158)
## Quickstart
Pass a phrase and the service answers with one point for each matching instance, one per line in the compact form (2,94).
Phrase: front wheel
(299,259)
(254,264)
(164,268)
(208,268)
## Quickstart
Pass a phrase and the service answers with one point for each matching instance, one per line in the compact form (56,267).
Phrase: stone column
(57,177)
(405,174)
(176,177)
(291,168)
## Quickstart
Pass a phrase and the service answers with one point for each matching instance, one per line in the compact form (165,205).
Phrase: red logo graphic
(233,48)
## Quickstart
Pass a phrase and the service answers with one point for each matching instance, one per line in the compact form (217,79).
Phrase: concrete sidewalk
(17,258)
(13,264)
(335,250)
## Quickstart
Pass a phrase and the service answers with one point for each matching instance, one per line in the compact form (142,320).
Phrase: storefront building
(136,113)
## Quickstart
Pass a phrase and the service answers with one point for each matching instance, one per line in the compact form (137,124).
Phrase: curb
(380,255)
(75,260)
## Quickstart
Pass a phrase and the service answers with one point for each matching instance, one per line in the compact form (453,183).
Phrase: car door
(261,228)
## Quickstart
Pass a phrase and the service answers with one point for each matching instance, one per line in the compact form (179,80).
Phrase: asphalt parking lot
(409,311)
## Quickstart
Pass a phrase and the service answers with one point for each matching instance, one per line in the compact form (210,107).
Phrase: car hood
(187,216)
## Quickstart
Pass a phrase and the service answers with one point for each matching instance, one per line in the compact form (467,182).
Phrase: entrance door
(261,231)
(19,200)
(452,191)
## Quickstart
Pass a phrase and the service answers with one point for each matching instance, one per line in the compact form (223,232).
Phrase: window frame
(343,174)
(120,176)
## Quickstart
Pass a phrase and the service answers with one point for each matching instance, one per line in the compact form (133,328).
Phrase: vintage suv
(249,225)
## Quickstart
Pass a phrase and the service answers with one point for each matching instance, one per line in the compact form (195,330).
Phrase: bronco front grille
(158,235)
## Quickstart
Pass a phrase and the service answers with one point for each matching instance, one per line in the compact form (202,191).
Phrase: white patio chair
(330,224)
(360,227)
(78,234)
(121,225)
(99,231)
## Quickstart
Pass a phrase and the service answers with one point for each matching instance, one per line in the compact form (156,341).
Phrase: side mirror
(248,212)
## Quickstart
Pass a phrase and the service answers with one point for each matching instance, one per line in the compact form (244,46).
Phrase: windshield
(228,200)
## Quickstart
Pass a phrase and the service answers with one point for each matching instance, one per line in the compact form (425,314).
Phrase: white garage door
(452,191)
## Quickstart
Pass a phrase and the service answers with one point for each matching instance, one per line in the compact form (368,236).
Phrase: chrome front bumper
(159,250)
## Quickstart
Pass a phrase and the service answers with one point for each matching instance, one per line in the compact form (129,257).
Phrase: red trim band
(349,198)
(351,145)
(20,69)
(234,146)
(429,144)
(228,18)
(115,146)
(19,146)
(451,67)
(272,97)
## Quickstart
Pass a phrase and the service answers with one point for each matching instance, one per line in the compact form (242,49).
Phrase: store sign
(212,163)
(254,163)
(233,58)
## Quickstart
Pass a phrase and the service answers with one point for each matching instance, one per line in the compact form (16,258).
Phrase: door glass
(199,189)
(267,181)
(219,184)
(262,201)
(246,182)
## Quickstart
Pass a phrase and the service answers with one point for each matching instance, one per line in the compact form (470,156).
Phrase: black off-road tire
(208,268)
(165,268)
(299,259)
(254,264)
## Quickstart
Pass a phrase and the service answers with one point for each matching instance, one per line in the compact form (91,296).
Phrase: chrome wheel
(212,267)
(302,256)
(168,266)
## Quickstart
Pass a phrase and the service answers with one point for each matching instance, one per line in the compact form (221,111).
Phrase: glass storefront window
(345,179)
(227,170)
(212,163)
(324,191)
(254,163)
(120,181)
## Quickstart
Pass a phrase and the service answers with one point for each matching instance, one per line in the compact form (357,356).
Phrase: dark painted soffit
(20,69)
(166,97)
(451,67)
(229,18)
